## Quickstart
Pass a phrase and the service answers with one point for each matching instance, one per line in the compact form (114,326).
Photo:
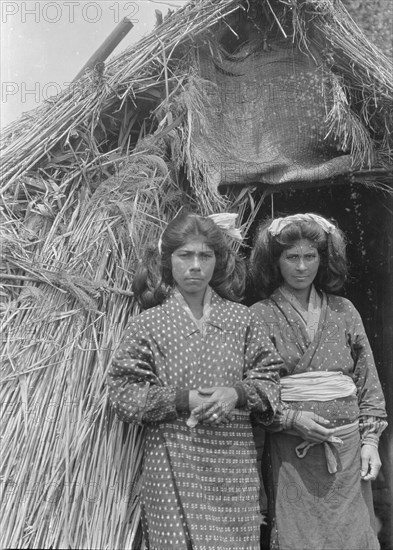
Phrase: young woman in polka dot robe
(192,369)
(321,451)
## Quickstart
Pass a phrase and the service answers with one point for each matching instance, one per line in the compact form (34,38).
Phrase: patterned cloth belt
(331,460)
(316,386)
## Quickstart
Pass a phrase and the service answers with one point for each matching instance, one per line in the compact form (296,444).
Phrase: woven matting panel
(264,119)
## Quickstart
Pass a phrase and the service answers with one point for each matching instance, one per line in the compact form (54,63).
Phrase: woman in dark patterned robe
(192,369)
(321,452)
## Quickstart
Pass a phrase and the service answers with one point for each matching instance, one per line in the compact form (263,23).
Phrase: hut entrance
(365,215)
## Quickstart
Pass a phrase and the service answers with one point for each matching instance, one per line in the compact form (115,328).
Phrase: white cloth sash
(316,386)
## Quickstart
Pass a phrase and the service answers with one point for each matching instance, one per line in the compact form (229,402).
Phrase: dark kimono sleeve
(261,373)
(135,391)
(369,392)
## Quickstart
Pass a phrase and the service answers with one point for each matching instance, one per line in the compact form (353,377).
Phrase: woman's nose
(301,265)
(195,263)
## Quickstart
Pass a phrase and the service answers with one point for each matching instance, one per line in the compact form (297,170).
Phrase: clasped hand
(213,405)
(310,426)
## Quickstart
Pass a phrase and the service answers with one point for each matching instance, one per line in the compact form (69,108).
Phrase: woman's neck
(302,295)
(195,303)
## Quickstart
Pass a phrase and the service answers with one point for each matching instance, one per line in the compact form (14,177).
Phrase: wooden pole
(107,47)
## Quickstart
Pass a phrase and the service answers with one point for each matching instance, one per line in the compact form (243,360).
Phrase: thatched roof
(91,177)
(102,116)
(376,20)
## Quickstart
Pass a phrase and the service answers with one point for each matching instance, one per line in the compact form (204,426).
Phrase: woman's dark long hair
(264,271)
(153,280)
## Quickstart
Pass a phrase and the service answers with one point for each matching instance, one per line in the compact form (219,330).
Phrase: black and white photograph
(196,276)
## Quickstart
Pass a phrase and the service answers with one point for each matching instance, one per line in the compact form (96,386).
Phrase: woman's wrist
(370,439)
(182,400)
(288,419)
(241,395)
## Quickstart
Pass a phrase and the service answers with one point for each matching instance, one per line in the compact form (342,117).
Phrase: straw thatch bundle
(376,21)
(89,179)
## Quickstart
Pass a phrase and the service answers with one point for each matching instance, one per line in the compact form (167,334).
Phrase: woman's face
(193,267)
(299,265)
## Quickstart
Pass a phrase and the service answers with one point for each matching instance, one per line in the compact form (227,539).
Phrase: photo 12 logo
(33,92)
(37,92)
(71,12)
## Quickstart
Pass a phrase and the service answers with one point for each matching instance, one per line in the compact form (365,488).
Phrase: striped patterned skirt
(200,487)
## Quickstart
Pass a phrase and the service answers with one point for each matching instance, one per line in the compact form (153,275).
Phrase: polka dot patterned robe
(310,508)
(200,485)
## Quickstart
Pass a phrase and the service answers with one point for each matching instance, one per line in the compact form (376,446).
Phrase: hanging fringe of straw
(347,128)
(363,93)
(194,101)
